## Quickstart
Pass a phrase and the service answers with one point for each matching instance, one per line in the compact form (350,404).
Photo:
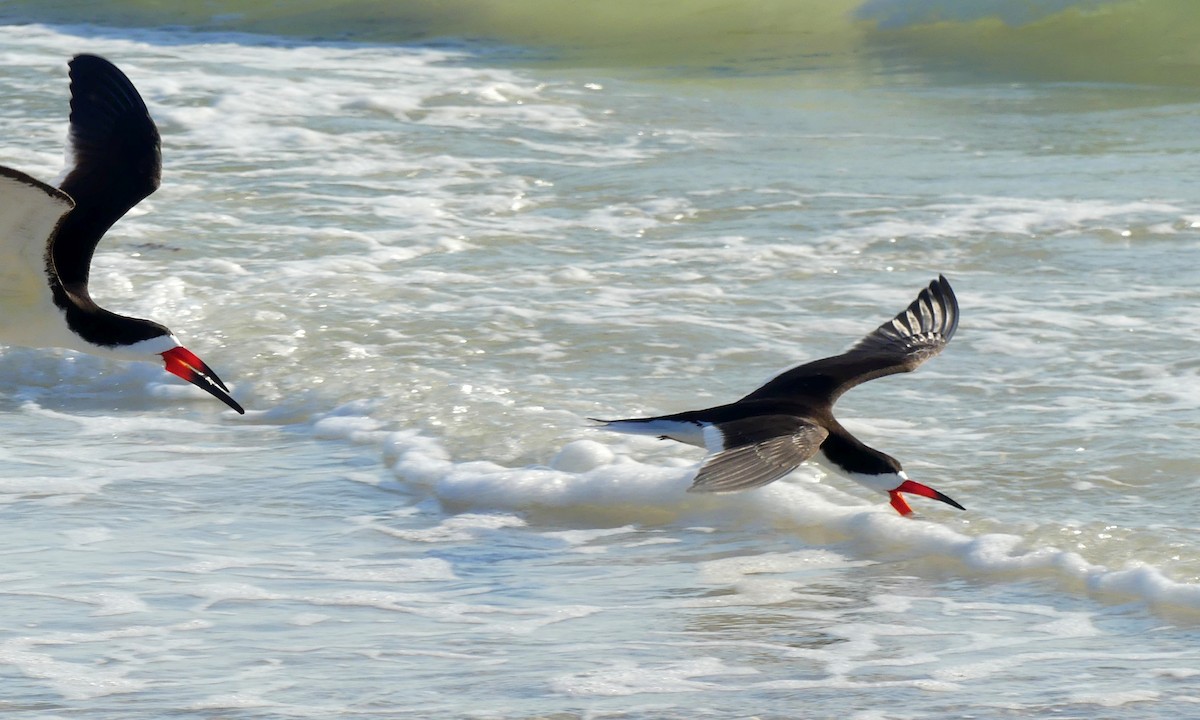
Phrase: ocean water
(424,242)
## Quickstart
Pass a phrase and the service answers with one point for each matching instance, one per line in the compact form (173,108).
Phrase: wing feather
(755,455)
(115,162)
(901,344)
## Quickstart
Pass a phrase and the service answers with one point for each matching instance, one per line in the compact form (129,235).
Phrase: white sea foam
(629,678)
(596,479)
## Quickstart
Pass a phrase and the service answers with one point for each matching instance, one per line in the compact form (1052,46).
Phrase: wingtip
(943,285)
(941,291)
(88,63)
(701,487)
(86,58)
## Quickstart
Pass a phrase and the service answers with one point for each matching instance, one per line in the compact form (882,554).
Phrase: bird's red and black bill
(184,363)
(916,488)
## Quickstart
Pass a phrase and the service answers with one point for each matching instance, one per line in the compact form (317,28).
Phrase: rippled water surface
(423,267)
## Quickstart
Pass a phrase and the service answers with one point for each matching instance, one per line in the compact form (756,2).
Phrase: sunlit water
(422,268)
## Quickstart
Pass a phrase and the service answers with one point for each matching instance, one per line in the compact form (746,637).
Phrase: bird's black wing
(756,451)
(899,345)
(114,162)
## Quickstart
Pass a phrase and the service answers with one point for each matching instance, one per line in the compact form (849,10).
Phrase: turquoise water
(842,41)
(422,263)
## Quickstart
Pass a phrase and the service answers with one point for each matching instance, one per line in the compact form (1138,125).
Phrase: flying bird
(770,432)
(48,234)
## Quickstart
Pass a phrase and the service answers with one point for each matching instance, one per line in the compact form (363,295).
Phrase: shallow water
(422,267)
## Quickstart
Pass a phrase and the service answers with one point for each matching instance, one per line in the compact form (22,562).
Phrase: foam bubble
(581,456)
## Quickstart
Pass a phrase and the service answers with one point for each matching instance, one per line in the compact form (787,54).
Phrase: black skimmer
(48,234)
(770,432)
